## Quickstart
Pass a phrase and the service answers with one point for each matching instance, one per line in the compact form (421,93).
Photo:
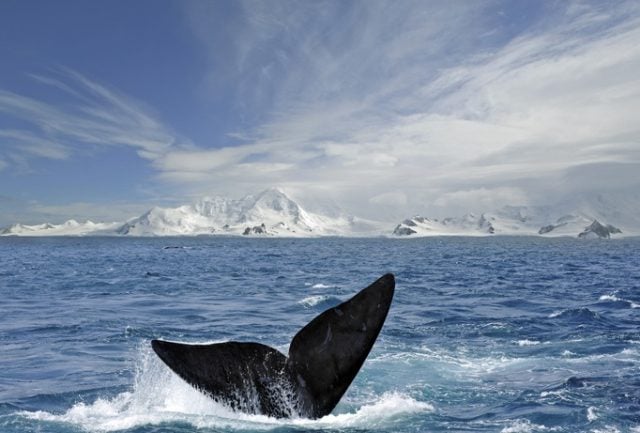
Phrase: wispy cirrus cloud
(434,103)
(387,108)
(33,145)
(90,116)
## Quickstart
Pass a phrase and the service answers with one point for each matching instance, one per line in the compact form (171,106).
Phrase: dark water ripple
(485,334)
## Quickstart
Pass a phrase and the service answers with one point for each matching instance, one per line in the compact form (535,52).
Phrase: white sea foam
(320,286)
(592,414)
(311,301)
(518,427)
(461,365)
(524,426)
(379,413)
(614,298)
(522,343)
(557,393)
(470,365)
(440,364)
(630,353)
(159,396)
(607,429)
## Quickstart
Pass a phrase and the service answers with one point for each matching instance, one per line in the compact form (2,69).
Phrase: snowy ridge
(510,220)
(516,220)
(274,213)
(270,213)
(68,228)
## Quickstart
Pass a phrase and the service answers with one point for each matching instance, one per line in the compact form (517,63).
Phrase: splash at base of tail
(324,358)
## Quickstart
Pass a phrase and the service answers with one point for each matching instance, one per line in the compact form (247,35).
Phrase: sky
(384,109)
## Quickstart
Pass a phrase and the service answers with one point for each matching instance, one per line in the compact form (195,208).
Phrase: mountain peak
(274,197)
(276,206)
(274,190)
(271,210)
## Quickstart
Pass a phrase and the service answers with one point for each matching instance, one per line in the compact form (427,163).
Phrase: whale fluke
(324,358)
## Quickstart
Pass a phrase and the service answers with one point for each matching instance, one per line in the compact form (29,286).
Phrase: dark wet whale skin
(324,358)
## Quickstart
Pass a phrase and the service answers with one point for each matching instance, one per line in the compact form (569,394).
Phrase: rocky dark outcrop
(256,230)
(485,224)
(596,229)
(401,230)
(409,223)
(546,229)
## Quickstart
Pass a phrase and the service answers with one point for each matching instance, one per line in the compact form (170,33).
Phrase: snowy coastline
(272,213)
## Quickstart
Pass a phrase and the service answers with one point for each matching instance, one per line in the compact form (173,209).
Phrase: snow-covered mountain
(270,213)
(510,220)
(516,220)
(68,228)
(273,213)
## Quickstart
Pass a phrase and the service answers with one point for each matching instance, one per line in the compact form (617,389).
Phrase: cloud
(402,108)
(33,145)
(86,113)
(394,198)
(34,212)
(111,212)
(463,201)
(446,106)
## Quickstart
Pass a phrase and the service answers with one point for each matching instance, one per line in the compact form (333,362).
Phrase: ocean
(489,334)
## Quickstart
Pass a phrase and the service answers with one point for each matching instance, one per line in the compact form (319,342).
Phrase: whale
(323,359)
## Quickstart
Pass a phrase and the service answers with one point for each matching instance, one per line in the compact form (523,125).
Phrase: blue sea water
(499,334)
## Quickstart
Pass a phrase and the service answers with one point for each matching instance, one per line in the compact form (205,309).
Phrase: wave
(577,315)
(526,342)
(524,426)
(319,300)
(312,301)
(384,410)
(159,396)
(614,298)
(459,365)
(592,415)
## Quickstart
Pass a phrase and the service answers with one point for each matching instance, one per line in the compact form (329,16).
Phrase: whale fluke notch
(324,358)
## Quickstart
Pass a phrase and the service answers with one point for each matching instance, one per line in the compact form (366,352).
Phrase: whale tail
(324,358)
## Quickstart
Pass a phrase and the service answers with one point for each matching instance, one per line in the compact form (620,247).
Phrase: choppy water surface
(485,334)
